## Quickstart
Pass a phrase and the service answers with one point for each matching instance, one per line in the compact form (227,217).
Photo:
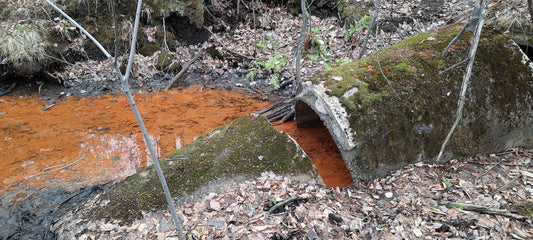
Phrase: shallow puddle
(84,141)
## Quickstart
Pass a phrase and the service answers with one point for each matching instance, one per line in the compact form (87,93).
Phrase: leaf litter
(419,201)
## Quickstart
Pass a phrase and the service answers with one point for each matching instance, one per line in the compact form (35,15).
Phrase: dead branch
(224,46)
(482,209)
(470,25)
(9,89)
(53,170)
(184,68)
(466,77)
(282,204)
(126,88)
(277,111)
(303,30)
(377,5)
(530,7)
(506,185)
(48,107)
(453,66)
(379,64)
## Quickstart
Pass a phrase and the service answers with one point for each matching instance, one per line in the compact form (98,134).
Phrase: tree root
(281,110)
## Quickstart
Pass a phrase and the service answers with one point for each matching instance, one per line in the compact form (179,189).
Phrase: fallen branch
(453,66)
(129,96)
(9,89)
(482,209)
(277,111)
(53,170)
(184,69)
(468,74)
(282,204)
(46,108)
(379,65)
(506,185)
(224,46)
(377,5)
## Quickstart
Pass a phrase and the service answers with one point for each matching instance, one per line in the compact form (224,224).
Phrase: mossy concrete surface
(240,150)
(379,128)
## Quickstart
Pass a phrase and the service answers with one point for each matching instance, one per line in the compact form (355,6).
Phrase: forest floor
(474,198)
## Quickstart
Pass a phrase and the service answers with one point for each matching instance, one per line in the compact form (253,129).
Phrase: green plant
(275,44)
(357,26)
(446,181)
(274,65)
(458,206)
(261,46)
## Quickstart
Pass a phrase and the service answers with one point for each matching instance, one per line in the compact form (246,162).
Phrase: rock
(379,128)
(238,151)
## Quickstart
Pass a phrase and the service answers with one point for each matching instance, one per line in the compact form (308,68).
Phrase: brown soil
(101,139)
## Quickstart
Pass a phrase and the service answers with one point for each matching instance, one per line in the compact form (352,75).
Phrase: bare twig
(224,46)
(377,5)
(298,57)
(379,65)
(481,175)
(48,107)
(9,89)
(54,170)
(470,25)
(483,209)
(184,68)
(282,204)
(466,77)
(506,185)
(530,7)
(129,96)
(453,66)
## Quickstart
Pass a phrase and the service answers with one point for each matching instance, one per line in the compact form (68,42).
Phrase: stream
(54,155)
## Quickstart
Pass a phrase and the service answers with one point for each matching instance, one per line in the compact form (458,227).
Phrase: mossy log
(379,130)
(238,151)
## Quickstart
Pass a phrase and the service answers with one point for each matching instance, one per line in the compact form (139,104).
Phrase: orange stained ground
(84,141)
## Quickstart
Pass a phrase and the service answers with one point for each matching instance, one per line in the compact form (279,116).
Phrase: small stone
(417,232)
(389,194)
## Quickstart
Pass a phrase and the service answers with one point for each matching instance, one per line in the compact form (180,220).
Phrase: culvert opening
(528,50)
(315,139)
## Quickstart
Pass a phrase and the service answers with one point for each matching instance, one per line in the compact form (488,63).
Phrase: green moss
(524,209)
(403,67)
(498,37)
(393,129)
(246,147)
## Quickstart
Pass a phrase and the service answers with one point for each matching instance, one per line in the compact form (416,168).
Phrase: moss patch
(394,131)
(524,209)
(246,147)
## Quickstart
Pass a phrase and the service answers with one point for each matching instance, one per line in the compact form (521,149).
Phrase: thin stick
(129,96)
(184,69)
(281,204)
(466,77)
(377,5)
(379,65)
(453,66)
(81,29)
(303,30)
(483,209)
(54,170)
(224,46)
